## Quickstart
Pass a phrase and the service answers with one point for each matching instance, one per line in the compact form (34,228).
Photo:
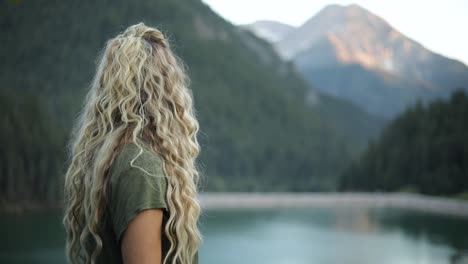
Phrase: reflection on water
(282,236)
(356,220)
(333,235)
(31,238)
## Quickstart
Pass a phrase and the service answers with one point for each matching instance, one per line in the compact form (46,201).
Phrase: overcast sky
(440,25)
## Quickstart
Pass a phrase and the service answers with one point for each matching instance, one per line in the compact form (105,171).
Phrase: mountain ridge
(339,36)
(270,30)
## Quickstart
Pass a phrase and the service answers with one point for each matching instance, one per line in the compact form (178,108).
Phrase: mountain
(353,122)
(349,52)
(425,149)
(262,127)
(270,30)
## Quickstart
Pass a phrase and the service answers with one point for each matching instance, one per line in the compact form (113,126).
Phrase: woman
(131,187)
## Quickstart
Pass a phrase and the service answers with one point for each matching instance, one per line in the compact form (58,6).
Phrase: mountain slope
(353,123)
(377,92)
(270,30)
(349,52)
(358,36)
(259,130)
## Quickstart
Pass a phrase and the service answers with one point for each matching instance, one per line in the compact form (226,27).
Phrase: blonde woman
(131,186)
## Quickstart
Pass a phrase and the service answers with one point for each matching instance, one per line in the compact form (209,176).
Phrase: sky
(440,25)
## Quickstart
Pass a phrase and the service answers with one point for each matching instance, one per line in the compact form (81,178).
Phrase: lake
(334,235)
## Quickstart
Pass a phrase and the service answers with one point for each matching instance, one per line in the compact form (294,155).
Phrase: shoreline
(438,205)
(261,200)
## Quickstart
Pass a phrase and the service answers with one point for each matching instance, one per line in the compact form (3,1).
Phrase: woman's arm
(141,242)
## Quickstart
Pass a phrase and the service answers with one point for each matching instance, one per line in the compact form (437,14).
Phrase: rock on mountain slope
(350,52)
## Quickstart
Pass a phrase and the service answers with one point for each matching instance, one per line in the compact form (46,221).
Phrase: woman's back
(130,191)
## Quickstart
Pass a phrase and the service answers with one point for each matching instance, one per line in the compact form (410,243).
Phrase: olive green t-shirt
(132,189)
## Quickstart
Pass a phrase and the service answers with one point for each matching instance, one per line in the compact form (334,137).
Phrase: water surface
(279,236)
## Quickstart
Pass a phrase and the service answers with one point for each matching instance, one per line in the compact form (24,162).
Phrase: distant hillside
(350,52)
(377,92)
(353,123)
(262,127)
(270,30)
(425,150)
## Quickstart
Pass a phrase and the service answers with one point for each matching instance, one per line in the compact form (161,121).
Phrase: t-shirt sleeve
(134,190)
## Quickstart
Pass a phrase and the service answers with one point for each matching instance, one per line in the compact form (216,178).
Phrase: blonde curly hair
(139,94)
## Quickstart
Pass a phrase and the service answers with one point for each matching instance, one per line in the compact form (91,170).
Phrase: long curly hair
(139,94)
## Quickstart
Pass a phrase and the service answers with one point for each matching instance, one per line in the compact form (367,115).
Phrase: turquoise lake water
(279,236)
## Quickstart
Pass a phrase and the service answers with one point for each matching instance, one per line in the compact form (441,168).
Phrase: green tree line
(32,149)
(425,149)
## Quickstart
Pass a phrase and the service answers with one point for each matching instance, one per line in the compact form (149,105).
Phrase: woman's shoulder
(133,157)
(137,182)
